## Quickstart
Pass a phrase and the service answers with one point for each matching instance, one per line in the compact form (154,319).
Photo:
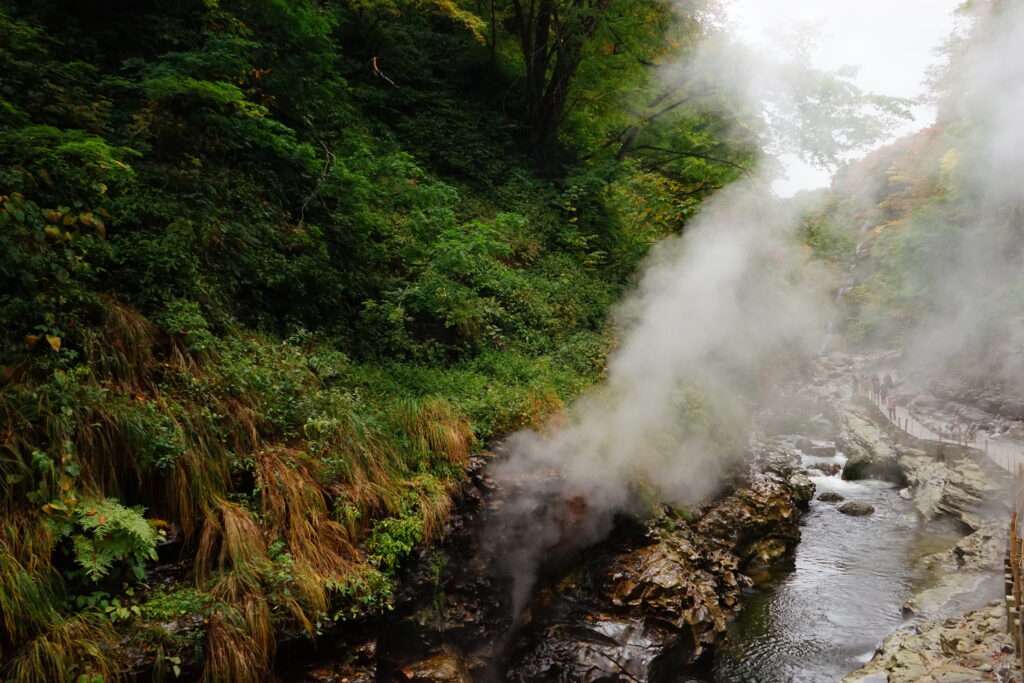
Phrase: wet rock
(803,488)
(356,665)
(859,436)
(604,650)
(974,647)
(829,468)
(831,497)
(647,603)
(857,508)
(957,489)
(447,666)
(765,552)
(964,571)
(779,459)
(867,466)
(816,449)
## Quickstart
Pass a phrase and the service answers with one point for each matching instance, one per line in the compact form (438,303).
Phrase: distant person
(876,387)
(887,381)
(856,385)
(890,403)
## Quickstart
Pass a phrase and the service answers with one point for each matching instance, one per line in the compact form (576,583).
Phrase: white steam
(721,316)
(975,262)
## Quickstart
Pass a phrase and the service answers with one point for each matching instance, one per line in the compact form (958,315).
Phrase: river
(823,615)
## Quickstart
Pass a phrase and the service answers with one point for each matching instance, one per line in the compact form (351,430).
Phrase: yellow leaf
(70,219)
(31,339)
(53,232)
(54,342)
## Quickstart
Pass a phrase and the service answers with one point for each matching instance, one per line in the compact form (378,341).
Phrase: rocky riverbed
(971,647)
(943,483)
(650,601)
(655,599)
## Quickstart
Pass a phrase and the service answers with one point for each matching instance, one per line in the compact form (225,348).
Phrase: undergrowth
(244,331)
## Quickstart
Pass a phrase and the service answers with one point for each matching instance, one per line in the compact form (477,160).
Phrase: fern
(110,533)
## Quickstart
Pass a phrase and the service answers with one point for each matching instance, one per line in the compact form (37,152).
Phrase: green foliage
(826,241)
(392,539)
(247,282)
(168,604)
(105,534)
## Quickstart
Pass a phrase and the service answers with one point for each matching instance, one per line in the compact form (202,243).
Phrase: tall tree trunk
(552,45)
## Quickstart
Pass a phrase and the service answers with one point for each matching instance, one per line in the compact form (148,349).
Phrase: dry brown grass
(296,511)
(199,482)
(27,538)
(231,540)
(434,504)
(436,427)
(26,600)
(231,654)
(66,650)
(121,350)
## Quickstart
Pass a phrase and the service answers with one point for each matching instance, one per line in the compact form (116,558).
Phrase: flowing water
(823,616)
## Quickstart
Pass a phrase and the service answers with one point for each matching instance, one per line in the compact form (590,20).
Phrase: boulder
(829,468)
(867,466)
(803,488)
(651,601)
(602,650)
(958,489)
(831,497)
(447,666)
(857,508)
(972,647)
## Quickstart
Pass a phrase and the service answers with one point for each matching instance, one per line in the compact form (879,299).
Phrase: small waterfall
(840,293)
(827,340)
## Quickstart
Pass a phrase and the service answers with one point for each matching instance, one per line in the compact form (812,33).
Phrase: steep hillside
(268,272)
(937,219)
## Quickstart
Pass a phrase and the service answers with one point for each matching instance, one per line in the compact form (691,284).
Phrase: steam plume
(719,316)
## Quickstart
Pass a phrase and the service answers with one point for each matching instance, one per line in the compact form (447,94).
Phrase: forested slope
(270,270)
(937,220)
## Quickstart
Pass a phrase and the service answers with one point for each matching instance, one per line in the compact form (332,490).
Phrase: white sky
(891,40)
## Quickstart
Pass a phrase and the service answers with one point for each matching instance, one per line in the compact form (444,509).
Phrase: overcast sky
(893,42)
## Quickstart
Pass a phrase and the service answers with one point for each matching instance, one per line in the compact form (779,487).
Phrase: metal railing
(1013,569)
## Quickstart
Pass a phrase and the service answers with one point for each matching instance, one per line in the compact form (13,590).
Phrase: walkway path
(1007,454)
